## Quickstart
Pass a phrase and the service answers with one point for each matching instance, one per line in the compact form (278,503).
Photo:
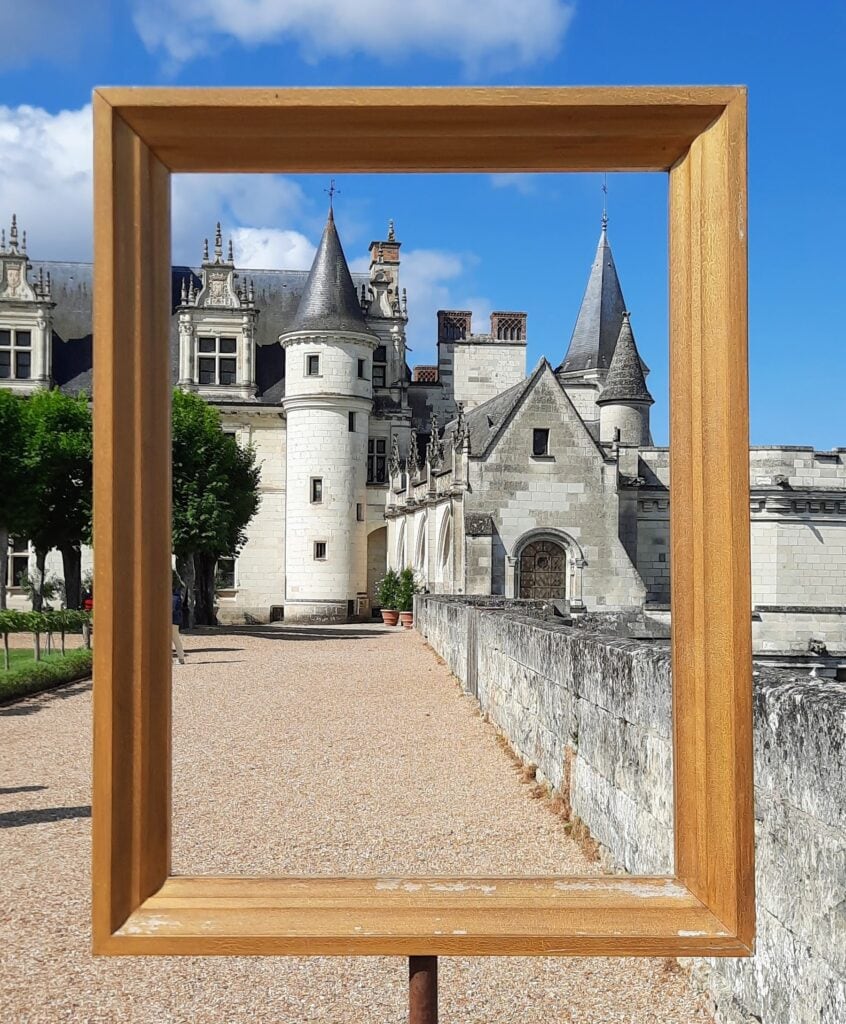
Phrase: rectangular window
(380,358)
(22,365)
(312,366)
(316,490)
(377,460)
(207,372)
(351,421)
(359,512)
(217,361)
(18,562)
(361,369)
(15,354)
(320,549)
(540,441)
(227,371)
(225,575)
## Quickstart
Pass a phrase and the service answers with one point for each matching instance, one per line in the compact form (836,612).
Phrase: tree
(14,478)
(58,465)
(215,495)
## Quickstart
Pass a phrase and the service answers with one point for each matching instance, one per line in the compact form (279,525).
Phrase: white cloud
(525,184)
(263,248)
(481,35)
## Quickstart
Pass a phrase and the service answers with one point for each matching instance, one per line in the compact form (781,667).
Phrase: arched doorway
(377,559)
(542,570)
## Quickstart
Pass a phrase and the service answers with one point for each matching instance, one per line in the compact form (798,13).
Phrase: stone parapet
(593,713)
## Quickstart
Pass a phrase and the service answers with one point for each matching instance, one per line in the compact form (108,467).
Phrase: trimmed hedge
(43,675)
(62,620)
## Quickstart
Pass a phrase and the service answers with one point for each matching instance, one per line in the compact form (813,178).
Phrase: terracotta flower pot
(407,619)
(390,616)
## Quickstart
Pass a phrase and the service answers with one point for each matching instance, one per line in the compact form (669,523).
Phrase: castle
(483,478)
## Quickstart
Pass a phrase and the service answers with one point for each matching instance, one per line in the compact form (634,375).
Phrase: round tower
(625,399)
(328,399)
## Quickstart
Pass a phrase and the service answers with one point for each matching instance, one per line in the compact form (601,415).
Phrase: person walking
(176,618)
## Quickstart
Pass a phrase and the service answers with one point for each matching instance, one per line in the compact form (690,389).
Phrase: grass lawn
(26,675)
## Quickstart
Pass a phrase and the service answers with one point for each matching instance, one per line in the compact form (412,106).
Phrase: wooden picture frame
(698,135)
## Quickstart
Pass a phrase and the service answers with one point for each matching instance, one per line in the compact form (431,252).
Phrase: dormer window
(15,354)
(216,360)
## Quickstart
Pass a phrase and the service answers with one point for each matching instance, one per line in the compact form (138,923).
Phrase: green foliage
(64,620)
(51,588)
(387,590)
(408,587)
(57,455)
(215,482)
(41,675)
(14,480)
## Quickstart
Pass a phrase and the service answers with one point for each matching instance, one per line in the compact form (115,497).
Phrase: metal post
(422,990)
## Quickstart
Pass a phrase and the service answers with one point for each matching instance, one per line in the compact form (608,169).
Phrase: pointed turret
(329,301)
(625,381)
(598,323)
(625,400)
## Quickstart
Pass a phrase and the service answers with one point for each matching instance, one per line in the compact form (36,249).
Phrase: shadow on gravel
(30,704)
(7,790)
(39,815)
(310,633)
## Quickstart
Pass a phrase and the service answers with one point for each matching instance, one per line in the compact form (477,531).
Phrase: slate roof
(625,381)
(277,296)
(329,301)
(598,323)
(483,422)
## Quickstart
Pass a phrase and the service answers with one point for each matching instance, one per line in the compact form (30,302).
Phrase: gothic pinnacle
(230,257)
(205,250)
(218,244)
(391,236)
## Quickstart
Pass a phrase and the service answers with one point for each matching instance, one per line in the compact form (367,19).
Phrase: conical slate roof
(625,381)
(329,301)
(598,323)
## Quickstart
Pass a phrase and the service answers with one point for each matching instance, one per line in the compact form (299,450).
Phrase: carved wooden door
(543,571)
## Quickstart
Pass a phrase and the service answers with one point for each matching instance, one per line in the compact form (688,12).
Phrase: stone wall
(593,713)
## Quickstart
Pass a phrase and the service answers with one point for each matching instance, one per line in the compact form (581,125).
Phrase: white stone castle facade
(483,478)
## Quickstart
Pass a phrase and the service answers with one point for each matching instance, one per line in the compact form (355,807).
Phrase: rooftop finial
(333,191)
(205,250)
(3,239)
(218,243)
(23,243)
(230,256)
(13,233)
(604,202)
(391,236)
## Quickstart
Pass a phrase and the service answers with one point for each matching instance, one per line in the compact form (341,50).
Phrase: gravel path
(320,750)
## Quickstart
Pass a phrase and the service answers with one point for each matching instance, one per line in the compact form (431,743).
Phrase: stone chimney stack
(508,326)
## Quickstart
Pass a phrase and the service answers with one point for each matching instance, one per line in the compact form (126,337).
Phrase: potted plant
(387,593)
(408,587)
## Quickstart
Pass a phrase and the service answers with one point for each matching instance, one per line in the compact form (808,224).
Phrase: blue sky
(477,241)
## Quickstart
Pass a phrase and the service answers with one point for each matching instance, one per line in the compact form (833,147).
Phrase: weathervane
(332,191)
(604,201)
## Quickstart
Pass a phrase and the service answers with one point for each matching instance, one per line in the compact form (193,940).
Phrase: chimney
(453,324)
(508,326)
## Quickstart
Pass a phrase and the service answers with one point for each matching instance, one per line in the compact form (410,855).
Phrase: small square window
(312,366)
(317,489)
(227,344)
(378,376)
(206,344)
(23,339)
(5,338)
(540,441)
(351,421)
(361,369)
(227,371)
(359,512)
(320,549)
(5,364)
(225,574)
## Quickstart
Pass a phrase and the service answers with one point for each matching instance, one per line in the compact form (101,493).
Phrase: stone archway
(377,559)
(543,571)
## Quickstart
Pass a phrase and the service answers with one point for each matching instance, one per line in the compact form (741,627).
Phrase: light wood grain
(709,515)
(131,798)
(424,916)
(700,133)
(357,130)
